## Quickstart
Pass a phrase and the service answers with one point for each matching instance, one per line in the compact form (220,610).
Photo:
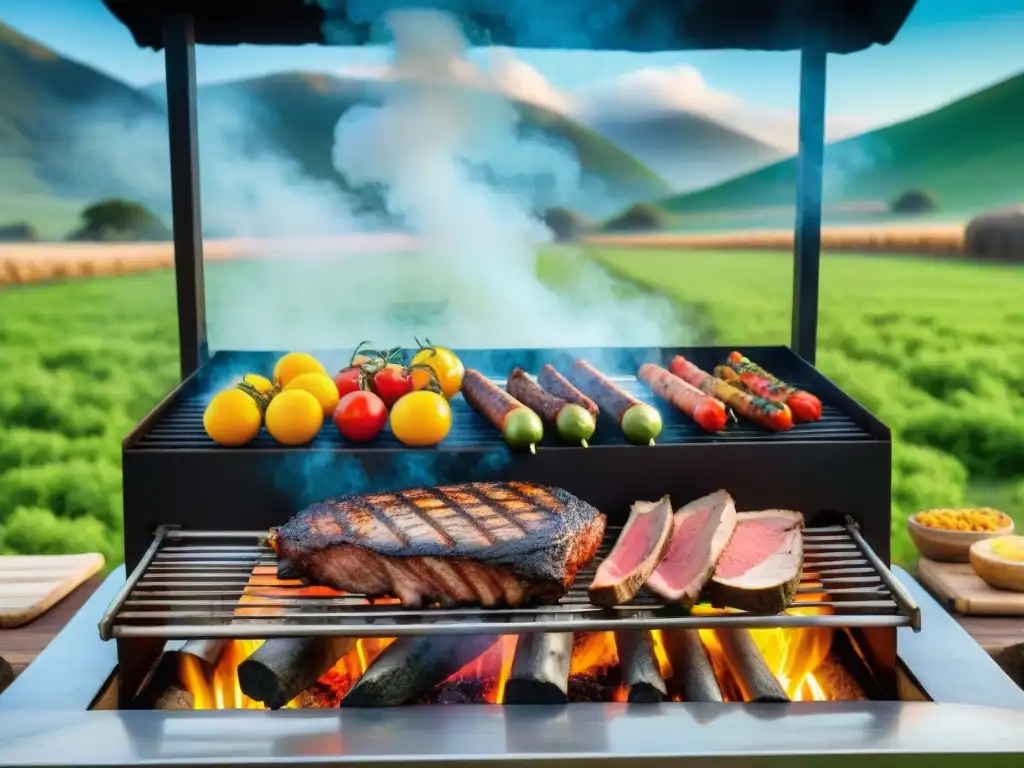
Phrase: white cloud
(646,90)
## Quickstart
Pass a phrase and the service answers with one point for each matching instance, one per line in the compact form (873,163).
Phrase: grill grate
(198,584)
(180,425)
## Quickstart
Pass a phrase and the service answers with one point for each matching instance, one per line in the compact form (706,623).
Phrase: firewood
(756,681)
(693,677)
(281,668)
(411,666)
(640,670)
(540,669)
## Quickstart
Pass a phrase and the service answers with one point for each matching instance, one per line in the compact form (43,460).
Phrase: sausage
(520,427)
(804,405)
(708,412)
(574,423)
(556,384)
(639,422)
(770,415)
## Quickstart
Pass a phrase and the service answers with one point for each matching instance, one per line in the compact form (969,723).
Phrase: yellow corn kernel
(979,520)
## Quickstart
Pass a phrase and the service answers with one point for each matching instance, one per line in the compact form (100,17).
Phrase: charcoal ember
(456,692)
(594,685)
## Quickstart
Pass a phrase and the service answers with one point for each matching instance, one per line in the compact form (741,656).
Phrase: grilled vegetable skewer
(574,423)
(770,415)
(519,426)
(639,422)
(708,412)
(804,405)
(552,382)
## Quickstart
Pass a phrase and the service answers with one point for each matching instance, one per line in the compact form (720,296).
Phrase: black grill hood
(841,26)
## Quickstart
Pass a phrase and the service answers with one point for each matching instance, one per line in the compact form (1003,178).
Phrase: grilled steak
(636,554)
(760,569)
(488,544)
(700,532)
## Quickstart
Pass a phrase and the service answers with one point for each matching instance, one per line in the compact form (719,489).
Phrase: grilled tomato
(295,364)
(421,418)
(232,418)
(360,416)
(320,386)
(446,365)
(294,417)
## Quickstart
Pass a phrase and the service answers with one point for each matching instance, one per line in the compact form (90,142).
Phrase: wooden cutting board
(960,588)
(32,584)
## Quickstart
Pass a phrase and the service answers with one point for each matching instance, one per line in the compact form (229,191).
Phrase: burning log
(282,668)
(411,666)
(692,673)
(753,677)
(207,652)
(174,697)
(639,666)
(540,669)
(846,656)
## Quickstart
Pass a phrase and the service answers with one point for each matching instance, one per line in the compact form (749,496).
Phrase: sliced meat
(700,532)
(760,569)
(635,555)
(488,544)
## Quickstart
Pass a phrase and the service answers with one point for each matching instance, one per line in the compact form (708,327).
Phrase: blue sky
(948,48)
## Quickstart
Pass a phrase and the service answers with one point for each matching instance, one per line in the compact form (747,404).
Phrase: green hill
(41,94)
(298,112)
(968,154)
(55,150)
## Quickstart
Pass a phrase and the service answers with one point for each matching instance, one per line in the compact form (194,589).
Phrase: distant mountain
(46,166)
(690,151)
(70,135)
(969,155)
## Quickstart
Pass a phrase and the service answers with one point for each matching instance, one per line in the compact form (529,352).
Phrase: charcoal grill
(195,513)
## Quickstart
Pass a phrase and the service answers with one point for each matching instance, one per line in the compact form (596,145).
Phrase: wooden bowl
(995,570)
(950,546)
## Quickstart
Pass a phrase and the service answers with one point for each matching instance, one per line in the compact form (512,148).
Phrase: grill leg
(807,236)
(180,64)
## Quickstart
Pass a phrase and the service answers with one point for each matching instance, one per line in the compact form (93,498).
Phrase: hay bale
(996,235)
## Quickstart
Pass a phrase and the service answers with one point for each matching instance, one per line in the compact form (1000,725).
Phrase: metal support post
(180,64)
(807,234)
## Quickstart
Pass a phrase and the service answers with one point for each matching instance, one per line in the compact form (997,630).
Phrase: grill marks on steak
(496,543)
(700,532)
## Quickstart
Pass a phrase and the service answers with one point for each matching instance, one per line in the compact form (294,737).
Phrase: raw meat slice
(488,544)
(635,555)
(760,569)
(700,532)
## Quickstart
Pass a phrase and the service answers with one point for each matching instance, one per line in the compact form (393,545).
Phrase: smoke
(425,145)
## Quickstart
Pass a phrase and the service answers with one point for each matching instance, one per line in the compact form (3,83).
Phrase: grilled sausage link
(556,384)
(708,412)
(574,423)
(770,415)
(639,422)
(520,427)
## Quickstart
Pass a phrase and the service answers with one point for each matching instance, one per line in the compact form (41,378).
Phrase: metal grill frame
(188,588)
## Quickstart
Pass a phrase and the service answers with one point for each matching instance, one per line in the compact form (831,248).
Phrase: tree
(639,217)
(565,223)
(913,201)
(119,220)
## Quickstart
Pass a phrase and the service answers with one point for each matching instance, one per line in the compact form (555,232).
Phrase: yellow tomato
(295,364)
(232,418)
(261,384)
(421,418)
(447,367)
(319,385)
(294,417)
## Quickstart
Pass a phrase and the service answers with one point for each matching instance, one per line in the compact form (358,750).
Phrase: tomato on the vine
(391,382)
(360,416)
(347,380)
(447,368)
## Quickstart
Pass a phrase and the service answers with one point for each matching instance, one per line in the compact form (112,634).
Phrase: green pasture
(935,349)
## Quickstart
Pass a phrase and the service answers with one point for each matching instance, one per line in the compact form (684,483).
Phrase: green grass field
(935,349)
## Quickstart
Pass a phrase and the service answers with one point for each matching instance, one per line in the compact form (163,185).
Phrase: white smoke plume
(478,240)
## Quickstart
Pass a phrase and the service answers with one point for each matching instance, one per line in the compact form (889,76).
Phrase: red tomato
(347,380)
(360,416)
(391,383)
